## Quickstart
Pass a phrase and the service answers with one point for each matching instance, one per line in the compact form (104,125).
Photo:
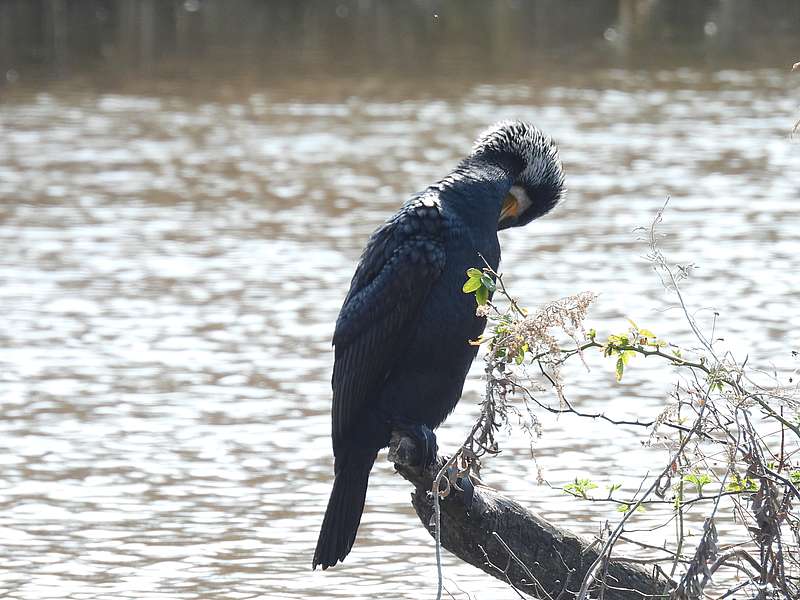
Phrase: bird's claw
(425,440)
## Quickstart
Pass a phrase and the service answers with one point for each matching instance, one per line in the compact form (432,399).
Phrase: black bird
(402,336)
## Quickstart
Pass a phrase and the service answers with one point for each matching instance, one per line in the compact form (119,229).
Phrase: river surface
(173,258)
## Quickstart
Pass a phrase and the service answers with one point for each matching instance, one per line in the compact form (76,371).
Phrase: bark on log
(555,560)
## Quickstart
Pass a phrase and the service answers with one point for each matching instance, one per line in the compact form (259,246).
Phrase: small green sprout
(699,480)
(624,346)
(741,484)
(580,488)
(623,508)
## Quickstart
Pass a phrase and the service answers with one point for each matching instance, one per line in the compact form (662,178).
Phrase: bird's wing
(401,262)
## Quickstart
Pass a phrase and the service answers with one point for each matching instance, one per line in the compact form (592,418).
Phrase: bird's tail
(345,506)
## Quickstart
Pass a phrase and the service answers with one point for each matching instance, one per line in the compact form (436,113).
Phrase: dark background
(290,38)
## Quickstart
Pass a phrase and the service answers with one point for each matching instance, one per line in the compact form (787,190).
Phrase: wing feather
(400,264)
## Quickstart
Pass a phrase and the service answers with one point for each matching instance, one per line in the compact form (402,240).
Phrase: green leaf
(647,333)
(488,283)
(591,334)
(521,354)
(620,368)
(698,478)
(471,285)
(474,273)
(634,325)
(482,295)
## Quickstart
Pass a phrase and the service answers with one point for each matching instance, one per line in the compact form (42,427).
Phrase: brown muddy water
(173,257)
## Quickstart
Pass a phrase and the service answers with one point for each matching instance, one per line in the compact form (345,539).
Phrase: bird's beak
(510,208)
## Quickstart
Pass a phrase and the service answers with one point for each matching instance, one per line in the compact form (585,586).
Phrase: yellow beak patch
(510,207)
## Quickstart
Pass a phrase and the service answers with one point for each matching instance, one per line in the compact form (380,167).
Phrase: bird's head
(532,159)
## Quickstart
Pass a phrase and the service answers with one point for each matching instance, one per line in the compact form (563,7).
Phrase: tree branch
(539,559)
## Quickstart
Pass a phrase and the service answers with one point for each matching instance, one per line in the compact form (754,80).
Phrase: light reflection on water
(171,271)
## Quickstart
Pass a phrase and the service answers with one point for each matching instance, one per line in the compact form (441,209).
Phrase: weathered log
(513,543)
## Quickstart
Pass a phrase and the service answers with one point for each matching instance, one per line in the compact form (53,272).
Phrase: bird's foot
(424,439)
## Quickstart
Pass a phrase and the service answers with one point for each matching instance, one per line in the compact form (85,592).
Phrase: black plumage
(401,342)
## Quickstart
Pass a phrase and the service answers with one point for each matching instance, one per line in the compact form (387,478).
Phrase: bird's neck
(474,192)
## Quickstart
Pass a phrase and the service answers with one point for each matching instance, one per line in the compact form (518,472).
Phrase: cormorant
(402,336)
